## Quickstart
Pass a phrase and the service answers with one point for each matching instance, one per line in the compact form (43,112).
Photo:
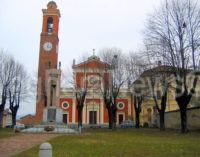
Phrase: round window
(120,105)
(65,105)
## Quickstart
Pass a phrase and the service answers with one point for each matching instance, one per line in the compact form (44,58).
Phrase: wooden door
(65,118)
(93,117)
(121,118)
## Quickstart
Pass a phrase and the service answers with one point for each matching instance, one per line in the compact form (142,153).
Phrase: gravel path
(13,145)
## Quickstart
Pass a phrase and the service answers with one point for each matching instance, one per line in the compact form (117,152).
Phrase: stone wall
(173,120)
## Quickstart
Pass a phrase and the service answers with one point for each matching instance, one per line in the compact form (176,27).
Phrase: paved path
(13,145)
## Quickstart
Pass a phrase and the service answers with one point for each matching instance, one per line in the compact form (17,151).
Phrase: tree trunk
(79,117)
(162,120)
(110,118)
(113,121)
(14,113)
(182,102)
(183,112)
(137,117)
(113,116)
(137,105)
(2,106)
(1,118)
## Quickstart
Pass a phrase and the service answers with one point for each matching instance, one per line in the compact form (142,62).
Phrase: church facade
(54,103)
(59,104)
(91,74)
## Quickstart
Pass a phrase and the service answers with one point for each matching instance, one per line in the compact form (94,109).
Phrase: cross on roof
(93,52)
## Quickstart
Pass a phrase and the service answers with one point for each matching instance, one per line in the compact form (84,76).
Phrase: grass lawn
(123,143)
(7,132)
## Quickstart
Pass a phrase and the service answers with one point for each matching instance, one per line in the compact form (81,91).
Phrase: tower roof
(52,5)
(52,2)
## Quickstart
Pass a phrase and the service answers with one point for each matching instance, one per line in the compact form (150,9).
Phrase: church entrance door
(93,117)
(121,118)
(65,118)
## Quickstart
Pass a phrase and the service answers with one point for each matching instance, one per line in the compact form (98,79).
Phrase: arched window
(49,25)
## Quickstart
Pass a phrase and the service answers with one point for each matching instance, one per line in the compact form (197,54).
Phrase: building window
(121,105)
(49,25)
(65,105)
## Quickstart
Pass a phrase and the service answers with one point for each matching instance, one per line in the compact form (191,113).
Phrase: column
(73,110)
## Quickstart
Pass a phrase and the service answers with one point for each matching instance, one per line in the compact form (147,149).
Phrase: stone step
(54,125)
(57,130)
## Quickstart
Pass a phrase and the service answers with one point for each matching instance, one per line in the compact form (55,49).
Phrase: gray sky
(84,25)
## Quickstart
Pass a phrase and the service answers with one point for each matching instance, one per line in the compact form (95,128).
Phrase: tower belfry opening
(49,25)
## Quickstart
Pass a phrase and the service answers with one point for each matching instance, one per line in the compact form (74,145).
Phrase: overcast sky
(84,25)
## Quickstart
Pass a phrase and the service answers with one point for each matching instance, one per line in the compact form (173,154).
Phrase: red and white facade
(94,110)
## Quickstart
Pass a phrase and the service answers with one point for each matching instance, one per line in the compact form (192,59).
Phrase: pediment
(92,62)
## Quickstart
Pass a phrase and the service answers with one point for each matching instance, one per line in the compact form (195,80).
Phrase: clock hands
(48,45)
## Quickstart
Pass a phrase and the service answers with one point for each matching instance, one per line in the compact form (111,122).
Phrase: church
(59,105)
(56,104)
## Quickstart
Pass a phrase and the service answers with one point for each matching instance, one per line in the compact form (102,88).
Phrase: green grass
(123,143)
(6,132)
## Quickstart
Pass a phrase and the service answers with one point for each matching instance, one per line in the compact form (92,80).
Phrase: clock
(47,46)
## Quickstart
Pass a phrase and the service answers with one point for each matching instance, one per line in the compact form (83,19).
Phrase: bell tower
(48,54)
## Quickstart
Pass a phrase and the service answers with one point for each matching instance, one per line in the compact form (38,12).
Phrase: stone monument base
(58,129)
(52,115)
(52,123)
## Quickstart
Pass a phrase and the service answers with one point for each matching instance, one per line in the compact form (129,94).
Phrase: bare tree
(112,86)
(18,89)
(135,66)
(80,98)
(80,90)
(6,75)
(138,99)
(80,93)
(173,33)
(107,94)
(158,83)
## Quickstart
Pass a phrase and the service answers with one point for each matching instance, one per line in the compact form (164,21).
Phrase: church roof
(164,69)
(161,69)
(92,62)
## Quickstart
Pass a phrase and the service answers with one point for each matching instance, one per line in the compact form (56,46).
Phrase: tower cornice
(51,12)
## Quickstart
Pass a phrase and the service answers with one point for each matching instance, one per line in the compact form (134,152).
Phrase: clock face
(47,46)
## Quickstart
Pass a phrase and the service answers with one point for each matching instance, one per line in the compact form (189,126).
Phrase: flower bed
(49,128)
